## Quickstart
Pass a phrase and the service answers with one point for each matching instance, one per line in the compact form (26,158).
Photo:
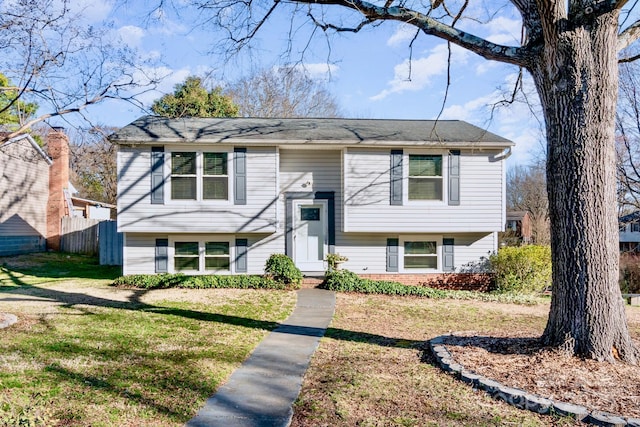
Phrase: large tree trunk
(577,79)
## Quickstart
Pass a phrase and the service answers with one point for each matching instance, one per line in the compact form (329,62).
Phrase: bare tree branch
(428,25)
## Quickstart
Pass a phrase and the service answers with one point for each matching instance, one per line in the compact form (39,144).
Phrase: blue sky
(368,72)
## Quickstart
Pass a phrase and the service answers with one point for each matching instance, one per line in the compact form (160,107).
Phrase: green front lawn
(84,353)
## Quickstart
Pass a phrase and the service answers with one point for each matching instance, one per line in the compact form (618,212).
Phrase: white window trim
(202,239)
(405,176)
(420,238)
(199,175)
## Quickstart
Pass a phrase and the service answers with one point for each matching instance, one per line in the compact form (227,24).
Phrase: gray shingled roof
(368,132)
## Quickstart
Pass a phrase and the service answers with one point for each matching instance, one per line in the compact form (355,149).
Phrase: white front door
(309,234)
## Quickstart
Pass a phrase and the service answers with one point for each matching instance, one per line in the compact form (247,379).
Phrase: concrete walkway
(261,392)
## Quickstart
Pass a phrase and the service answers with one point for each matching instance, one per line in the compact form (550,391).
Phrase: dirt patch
(523,362)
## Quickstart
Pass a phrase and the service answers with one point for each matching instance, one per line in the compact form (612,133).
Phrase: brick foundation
(452,281)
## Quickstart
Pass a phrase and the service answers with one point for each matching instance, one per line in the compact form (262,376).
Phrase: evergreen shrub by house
(179,280)
(281,268)
(348,281)
(522,269)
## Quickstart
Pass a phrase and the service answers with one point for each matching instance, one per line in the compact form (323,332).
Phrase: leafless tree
(628,139)
(571,49)
(54,58)
(93,164)
(526,191)
(283,92)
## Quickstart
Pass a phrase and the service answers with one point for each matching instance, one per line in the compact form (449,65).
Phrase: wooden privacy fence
(92,237)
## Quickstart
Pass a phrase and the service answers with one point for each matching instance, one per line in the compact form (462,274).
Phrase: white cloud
(91,11)
(503,30)
(319,71)
(417,74)
(131,35)
(404,33)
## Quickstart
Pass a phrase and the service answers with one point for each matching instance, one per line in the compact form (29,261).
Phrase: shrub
(522,269)
(179,280)
(347,281)
(334,261)
(281,268)
(630,273)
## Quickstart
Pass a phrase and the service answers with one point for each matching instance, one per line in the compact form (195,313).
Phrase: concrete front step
(312,281)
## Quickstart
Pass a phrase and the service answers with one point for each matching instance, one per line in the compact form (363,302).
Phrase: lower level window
(216,256)
(186,256)
(201,256)
(420,255)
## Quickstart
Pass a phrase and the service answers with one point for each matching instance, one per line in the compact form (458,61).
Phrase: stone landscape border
(520,398)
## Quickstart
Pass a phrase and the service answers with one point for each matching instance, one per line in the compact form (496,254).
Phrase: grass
(84,353)
(372,367)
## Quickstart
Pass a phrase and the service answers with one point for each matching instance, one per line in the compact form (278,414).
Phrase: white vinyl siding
(139,253)
(367,252)
(137,214)
(310,171)
(367,194)
(140,249)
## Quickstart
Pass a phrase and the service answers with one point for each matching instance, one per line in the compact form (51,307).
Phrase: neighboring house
(630,232)
(400,199)
(24,191)
(92,209)
(32,201)
(519,224)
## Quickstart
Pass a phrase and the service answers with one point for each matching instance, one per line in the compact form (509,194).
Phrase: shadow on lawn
(188,379)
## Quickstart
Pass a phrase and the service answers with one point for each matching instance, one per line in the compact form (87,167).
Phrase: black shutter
(454,177)
(162,255)
(447,251)
(157,175)
(239,176)
(241,256)
(392,255)
(396,177)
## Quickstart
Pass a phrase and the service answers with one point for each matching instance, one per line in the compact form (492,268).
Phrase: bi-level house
(400,199)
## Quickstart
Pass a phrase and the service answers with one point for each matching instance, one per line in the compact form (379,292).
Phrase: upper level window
(199,176)
(635,226)
(425,177)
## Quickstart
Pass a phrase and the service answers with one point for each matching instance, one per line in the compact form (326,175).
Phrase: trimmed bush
(347,281)
(281,268)
(179,280)
(522,269)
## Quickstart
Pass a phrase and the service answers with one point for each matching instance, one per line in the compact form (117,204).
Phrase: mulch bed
(524,363)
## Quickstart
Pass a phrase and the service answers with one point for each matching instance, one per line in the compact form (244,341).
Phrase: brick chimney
(58,147)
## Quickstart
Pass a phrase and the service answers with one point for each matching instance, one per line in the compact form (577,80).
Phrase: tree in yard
(54,58)
(526,191)
(628,139)
(93,164)
(571,49)
(283,92)
(192,99)
(13,111)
